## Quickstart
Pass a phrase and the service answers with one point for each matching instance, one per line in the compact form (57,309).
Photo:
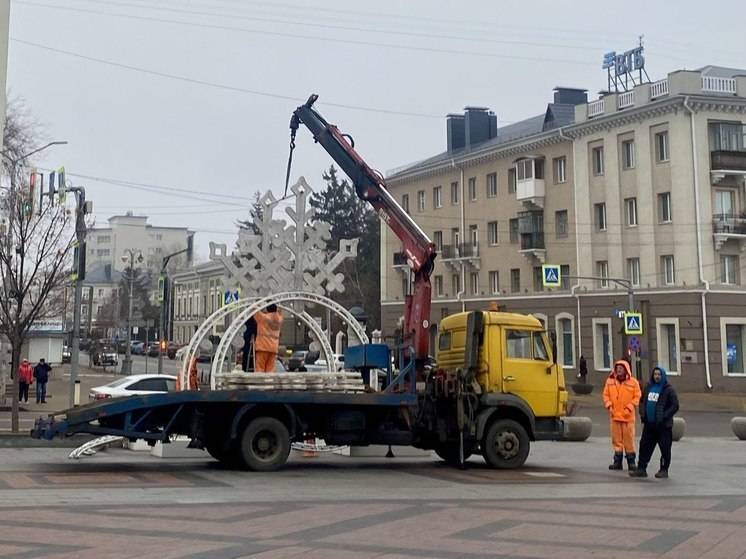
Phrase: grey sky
(423,57)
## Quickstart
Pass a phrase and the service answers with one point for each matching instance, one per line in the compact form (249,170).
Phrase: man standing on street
(41,374)
(25,378)
(249,337)
(658,405)
(621,397)
(267,344)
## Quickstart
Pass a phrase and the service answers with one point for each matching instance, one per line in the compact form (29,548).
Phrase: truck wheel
(449,453)
(506,445)
(265,444)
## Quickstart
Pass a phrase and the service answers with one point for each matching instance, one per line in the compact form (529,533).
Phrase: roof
(459,320)
(721,71)
(557,115)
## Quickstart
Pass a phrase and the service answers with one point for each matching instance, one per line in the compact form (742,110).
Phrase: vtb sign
(624,63)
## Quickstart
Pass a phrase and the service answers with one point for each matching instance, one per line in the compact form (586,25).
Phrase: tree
(255,214)
(34,249)
(350,218)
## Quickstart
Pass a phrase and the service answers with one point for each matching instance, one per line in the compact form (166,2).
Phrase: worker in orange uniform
(193,375)
(267,343)
(621,398)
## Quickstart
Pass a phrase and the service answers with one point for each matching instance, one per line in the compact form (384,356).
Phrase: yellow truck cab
(519,387)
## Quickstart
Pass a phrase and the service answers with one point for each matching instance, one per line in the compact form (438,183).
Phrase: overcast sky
(160,96)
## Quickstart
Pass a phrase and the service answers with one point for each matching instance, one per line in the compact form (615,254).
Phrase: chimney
(570,96)
(455,132)
(480,125)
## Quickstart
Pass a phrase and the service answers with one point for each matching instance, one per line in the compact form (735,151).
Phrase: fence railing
(659,88)
(626,99)
(595,108)
(718,85)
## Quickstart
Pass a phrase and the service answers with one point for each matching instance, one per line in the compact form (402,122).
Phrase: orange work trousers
(265,362)
(622,436)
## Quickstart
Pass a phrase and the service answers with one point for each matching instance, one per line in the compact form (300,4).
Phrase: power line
(312,37)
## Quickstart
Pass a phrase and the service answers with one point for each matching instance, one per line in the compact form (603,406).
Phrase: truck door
(527,370)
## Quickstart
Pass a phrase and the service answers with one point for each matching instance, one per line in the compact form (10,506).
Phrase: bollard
(679,428)
(576,429)
(76,394)
(738,424)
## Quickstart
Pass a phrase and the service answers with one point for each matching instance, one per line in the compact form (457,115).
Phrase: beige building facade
(646,186)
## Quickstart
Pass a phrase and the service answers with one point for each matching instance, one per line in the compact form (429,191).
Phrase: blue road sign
(551,275)
(633,323)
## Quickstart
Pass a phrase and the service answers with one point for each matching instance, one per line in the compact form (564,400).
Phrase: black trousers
(653,435)
(23,392)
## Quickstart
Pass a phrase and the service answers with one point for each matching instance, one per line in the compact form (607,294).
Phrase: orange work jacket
(622,398)
(268,327)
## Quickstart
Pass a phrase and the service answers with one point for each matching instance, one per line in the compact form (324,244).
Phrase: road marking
(543,474)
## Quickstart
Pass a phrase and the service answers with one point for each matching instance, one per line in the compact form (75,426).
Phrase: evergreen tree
(350,218)
(255,214)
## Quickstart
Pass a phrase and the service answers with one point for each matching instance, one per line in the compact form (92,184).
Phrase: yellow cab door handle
(509,379)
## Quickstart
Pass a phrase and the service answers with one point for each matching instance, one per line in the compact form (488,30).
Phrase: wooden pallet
(309,382)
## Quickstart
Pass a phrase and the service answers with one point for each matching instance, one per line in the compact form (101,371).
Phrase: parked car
(153,349)
(297,361)
(85,344)
(121,346)
(173,347)
(66,354)
(134,385)
(137,348)
(320,365)
(104,353)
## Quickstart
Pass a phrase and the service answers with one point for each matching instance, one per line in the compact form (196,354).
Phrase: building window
(661,147)
(515,280)
(438,197)
(492,234)
(729,269)
(454,193)
(565,279)
(438,240)
(628,154)
(456,284)
(732,345)
(103,252)
(667,269)
(103,239)
(404,287)
(560,223)
(559,164)
(667,330)
(633,271)
(405,202)
(603,350)
(565,328)
(513,225)
(630,211)
(455,238)
(511,180)
(421,201)
(597,160)
(473,188)
(443,313)
(492,185)
(599,210)
(725,203)
(538,279)
(474,235)
(602,271)
(474,281)
(664,207)
(527,169)
(438,286)
(494,277)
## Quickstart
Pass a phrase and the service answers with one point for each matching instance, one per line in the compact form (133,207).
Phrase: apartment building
(197,293)
(644,186)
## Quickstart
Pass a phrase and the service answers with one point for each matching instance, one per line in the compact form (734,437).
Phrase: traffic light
(163,345)
(161,288)
(61,186)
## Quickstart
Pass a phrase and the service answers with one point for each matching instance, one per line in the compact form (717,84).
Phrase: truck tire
(265,444)
(506,445)
(449,453)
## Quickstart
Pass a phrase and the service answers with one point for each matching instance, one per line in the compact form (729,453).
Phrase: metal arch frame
(213,319)
(277,299)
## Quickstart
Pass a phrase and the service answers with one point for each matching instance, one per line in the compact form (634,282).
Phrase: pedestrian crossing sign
(551,275)
(633,323)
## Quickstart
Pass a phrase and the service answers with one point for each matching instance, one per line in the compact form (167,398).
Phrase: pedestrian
(621,397)
(267,342)
(658,405)
(249,336)
(582,369)
(25,378)
(41,374)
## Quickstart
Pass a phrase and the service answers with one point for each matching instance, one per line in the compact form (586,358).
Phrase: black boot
(631,462)
(662,474)
(639,472)
(617,464)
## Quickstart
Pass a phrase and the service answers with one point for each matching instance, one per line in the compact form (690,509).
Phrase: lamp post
(131,256)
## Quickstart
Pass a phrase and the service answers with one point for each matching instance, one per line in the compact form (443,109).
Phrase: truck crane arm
(369,185)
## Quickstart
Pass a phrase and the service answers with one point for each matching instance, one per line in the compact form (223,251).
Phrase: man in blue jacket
(41,374)
(658,404)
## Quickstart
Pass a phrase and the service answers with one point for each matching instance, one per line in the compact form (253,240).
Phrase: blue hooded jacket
(653,392)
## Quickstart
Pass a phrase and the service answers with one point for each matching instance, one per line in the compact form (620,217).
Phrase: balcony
(454,255)
(530,181)
(727,150)
(400,262)
(626,99)
(659,89)
(531,232)
(595,108)
(727,227)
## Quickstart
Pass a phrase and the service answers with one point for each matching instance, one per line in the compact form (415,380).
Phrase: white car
(134,385)
(320,365)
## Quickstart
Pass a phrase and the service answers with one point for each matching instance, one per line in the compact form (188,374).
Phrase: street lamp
(131,257)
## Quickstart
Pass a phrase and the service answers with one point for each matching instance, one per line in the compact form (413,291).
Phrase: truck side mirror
(553,338)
